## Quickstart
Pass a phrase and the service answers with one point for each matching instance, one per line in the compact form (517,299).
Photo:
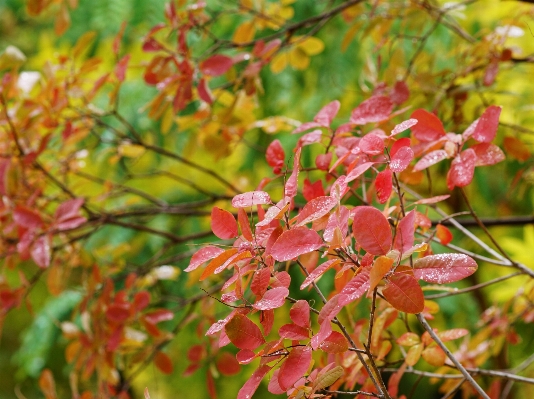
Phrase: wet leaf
(371,230)
(487,125)
(428,127)
(375,109)
(243,333)
(444,268)
(404,293)
(272,299)
(223,224)
(295,242)
(295,366)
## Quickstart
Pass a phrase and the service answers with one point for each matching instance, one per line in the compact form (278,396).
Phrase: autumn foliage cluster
(330,264)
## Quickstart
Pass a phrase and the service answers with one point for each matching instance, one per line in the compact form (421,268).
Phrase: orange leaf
(47,384)
(381,266)
(218,261)
(163,362)
(404,293)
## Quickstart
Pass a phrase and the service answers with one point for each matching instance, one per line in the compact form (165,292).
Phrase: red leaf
(452,334)
(325,116)
(371,230)
(295,366)
(322,161)
(516,148)
(204,91)
(355,288)
(203,255)
(487,125)
(251,198)
(375,109)
(300,313)
(488,154)
(141,300)
(335,343)
(253,382)
(223,223)
(444,234)
(318,272)
(491,72)
(404,237)
(242,219)
(430,159)
(290,189)
(216,65)
(120,69)
(227,364)
(311,191)
(305,126)
(404,293)
(118,312)
(26,217)
(401,159)
(68,209)
(293,332)
(41,252)
(384,185)
(245,356)
(371,144)
(295,242)
(462,169)
(272,299)
(243,333)
(267,321)
(400,93)
(428,127)
(260,281)
(275,155)
(444,268)
(358,171)
(163,362)
(315,209)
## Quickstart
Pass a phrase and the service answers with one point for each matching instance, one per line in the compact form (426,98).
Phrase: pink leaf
(355,288)
(251,198)
(41,252)
(120,69)
(322,161)
(245,356)
(404,237)
(358,171)
(432,200)
(401,127)
(295,366)
(267,321)
(310,138)
(223,223)
(275,155)
(300,313)
(243,333)
(428,127)
(272,299)
(253,382)
(315,209)
(216,65)
(260,281)
(462,169)
(26,217)
(487,125)
(372,144)
(444,268)
(325,116)
(306,126)
(318,272)
(488,154)
(371,230)
(203,255)
(293,332)
(337,220)
(375,109)
(68,209)
(384,185)
(295,242)
(401,159)
(430,159)
(329,310)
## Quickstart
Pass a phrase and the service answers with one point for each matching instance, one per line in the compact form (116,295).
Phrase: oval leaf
(295,366)
(384,185)
(404,293)
(243,333)
(428,127)
(444,268)
(251,198)
(272,299)
(401,159)
(295,242)
(216,65)
(253,382)
(325,116)
(462,169)
(371,230)
(223,223)
(487,125)
(335,343)
(316,208)
(300,313)
(375,109)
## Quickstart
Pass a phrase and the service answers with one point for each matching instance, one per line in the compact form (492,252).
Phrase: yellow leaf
(83,43)
(130,150)
(279,63)
(311,45)
(244,32)
(167,120)
(349,35)
(298,58)
(414,354)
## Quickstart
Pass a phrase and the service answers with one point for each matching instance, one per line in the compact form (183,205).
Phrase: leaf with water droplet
(295,242)
(444,268)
